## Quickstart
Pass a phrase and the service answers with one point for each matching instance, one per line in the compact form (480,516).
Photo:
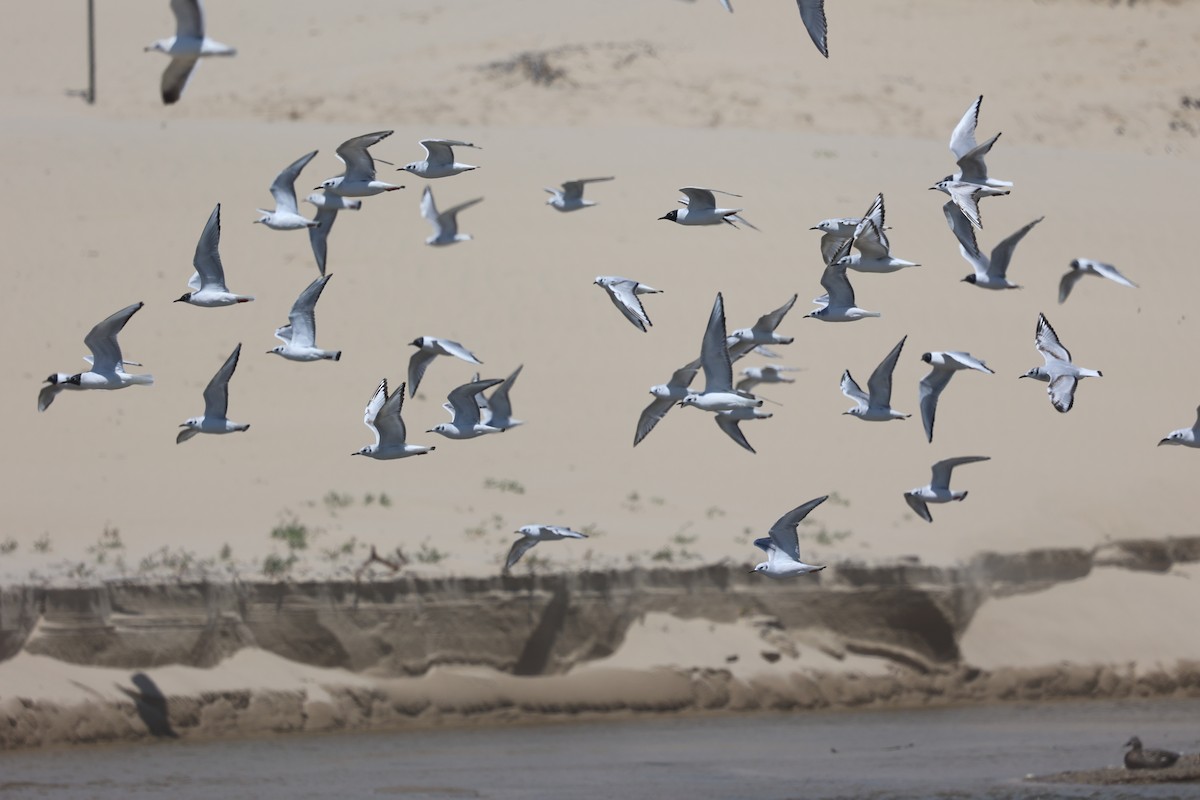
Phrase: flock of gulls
(483,406)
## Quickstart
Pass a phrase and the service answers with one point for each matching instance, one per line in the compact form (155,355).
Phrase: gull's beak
(356,453)
(183,424)
(1161,443)
(663,217)
(429,431)
(752,571)
(933,188)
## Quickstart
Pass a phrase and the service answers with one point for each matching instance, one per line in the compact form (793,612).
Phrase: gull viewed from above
(216,404)
(874,254)
(1058,371)
(428,348)
(359,178)
(938,490)
(700,208)
(837,304)
(328,205)
(531,535)
(439,159)
(944,364)
(286,216)
(1187,437)
(782,545)
(186,47)
(730,422)
(990,273)
(383,418)
(467,422)
(570,196)
(624,295)
(299,336)
(208,281)
(746,340)
(666,395)
(107,370)
(445,223)
(718,394)
(877,405)
(1086,266)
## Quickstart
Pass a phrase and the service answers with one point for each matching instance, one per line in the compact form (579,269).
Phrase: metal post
(91,33)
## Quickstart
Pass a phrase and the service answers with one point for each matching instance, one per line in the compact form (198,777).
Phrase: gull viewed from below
(746,340)
(700,208)
(107,370)
(445,223)
(208,281)
(990,273)
(216,404)
(666,395)
(1058,371)
(944,364)
(718,394)
(359,178)
(1086,266)
(730,423)
(1186,437)
(837,304)
(938,490)
(782,545)
(186,47)
(971,182)
(439,159)
(328,205)
(299,336)
(428,348)
(877,405)
(383,418)
(286,216)
(467,422)
(531,535)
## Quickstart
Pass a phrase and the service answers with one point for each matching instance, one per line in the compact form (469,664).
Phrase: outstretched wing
(812,13)
(353,153)
(216,394)
(943,468)
(102,340)
(930,389)
(783,532)
(879,385)
(284,187)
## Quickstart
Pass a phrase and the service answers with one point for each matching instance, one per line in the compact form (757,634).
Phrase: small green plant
(292,533)
(836,499)
(429,554)
(384,500)
(712,512)
(42,544)
(8,546)
(368,499)
(657,501)
(335,501)
(226,553)
(633,502)
(504,485)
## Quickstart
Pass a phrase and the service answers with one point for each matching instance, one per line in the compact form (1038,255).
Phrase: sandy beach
(1099,107)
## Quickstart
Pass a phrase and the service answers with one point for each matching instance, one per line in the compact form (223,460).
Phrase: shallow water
(969,753)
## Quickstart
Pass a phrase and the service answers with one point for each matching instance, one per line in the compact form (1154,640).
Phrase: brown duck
(1137,758)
